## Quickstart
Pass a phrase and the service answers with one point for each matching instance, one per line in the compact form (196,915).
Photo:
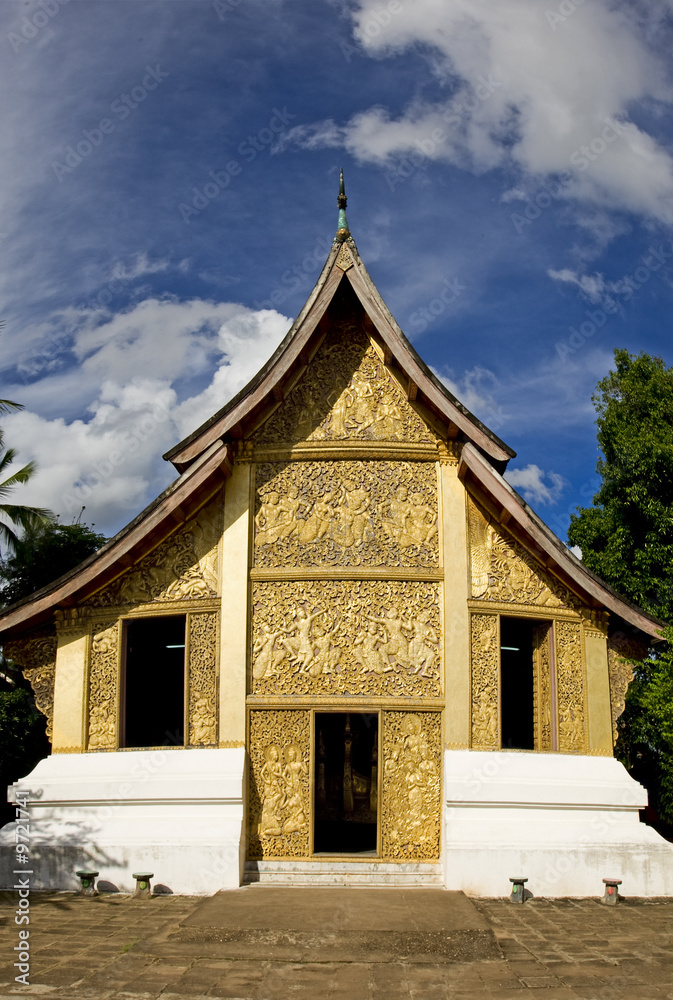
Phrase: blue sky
(169,184)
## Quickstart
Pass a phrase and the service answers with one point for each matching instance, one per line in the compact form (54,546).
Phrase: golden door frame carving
(559,682)
(282,780)
(105,670)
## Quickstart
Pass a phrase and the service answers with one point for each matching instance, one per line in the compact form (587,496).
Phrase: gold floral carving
(346,514)
(202,684)
(363,637)
(503,571)
(542,687)
(103,685)
(182,567)
(346,394)
(570,687)
(621,650)
(485,682)
(36,656)
(279,796)
(344,259)
(411,801)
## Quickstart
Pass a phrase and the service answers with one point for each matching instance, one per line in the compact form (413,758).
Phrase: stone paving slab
(118,948)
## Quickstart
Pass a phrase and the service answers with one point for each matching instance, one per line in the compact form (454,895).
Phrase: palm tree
(23,517)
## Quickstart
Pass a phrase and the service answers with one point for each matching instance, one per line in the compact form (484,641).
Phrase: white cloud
(111,461)
(536,485)
(479,390)
(523,95)
(592,286)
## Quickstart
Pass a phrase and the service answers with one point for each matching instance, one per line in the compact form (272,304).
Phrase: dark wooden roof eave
(167,511)
(226,420)
(550,549)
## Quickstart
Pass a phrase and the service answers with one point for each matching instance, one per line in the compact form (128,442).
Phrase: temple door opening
(346,783)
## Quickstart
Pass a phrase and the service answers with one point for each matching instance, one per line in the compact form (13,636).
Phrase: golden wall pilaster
(234,613)
(456,617)
(70,683)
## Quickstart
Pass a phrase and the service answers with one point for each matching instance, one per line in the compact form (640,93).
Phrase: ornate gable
(504,572)
(347,394)
(182,567)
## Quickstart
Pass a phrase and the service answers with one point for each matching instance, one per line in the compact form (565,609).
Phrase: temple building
(339,648)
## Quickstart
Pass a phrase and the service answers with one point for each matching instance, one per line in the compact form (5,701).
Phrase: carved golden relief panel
(411,798)
(346,394)
(503,571)
(570,687)
(183,567)
(485,682)
(361,637)
(103,685)
(620,651)
(36,656)
(279,790)
(542,687)
(346,514)
(202,678)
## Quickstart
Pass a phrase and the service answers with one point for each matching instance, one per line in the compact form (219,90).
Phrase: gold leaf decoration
(346,514)
(346,394)
(411,801)
(279,793)
(346,637)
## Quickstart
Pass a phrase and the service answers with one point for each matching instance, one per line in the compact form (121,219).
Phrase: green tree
(19,516)
(45,552)
(626,537)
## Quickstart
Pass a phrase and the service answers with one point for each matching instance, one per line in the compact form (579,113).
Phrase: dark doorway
(154,682)
(346,783)
(516,683)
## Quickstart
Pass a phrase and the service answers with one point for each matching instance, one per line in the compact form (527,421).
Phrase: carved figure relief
(411,803)
(346,637)
(570,687)
(103,686)
(485,682)
(279,784)
(202,685)
(346,514)
(542,687)
(348,394)
(36,656)
(620,651)
(183,567)
(503,571)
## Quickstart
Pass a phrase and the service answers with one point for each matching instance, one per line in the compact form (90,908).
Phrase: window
(153,694)
(517,683)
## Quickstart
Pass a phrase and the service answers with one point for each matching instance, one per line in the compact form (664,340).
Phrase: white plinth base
(175,812)
(562,821)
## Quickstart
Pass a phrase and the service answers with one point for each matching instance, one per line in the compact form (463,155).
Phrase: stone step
(343,873)
(327,924)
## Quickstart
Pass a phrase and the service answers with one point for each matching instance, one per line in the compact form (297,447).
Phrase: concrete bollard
(518,890)
(87,883)
(611,894)
(143,886)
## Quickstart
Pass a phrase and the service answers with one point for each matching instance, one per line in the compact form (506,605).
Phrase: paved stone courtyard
(170,947)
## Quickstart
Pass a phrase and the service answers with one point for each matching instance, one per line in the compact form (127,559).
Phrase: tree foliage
(19,516)
(42,554)
(627,539)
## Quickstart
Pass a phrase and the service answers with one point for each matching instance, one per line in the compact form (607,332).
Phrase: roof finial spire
(343,232)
